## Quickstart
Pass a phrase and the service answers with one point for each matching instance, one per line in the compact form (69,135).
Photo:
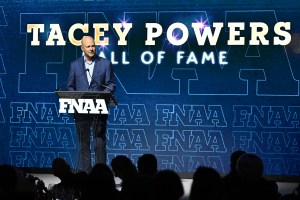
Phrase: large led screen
(196,80)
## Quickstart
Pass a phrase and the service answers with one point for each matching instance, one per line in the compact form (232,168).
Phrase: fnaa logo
(83,106)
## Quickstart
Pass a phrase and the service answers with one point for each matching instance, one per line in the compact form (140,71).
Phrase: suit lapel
(84,75)
(97,67)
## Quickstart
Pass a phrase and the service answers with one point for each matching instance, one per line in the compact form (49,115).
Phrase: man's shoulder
(79,59)
(102,59)
(77,62)
(97,59)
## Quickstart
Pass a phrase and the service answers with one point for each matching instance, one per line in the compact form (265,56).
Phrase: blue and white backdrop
(196,80)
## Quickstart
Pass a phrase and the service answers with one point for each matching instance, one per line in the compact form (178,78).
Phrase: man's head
(250,167)
(234,158)
(147,165)
(88,47)
(60,167)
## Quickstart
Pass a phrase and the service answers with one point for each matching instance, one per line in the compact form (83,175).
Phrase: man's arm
(110,78)
(71,85)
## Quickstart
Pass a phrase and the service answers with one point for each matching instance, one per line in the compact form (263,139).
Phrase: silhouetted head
(147,165)
(250,167)
(207,184)
(8,178)
(101,175)
(123,167)
(234,158)
(100,183)
(60,167)
(168,185)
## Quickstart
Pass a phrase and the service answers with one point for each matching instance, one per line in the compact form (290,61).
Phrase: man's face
(88,47)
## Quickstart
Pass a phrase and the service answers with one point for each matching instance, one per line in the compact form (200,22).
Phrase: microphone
(59,87)
(97,81)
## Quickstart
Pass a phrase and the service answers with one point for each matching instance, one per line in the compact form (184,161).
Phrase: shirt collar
(89,63)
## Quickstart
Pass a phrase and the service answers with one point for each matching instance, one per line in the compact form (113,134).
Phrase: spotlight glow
(123,21)
(101,47)
(203,23)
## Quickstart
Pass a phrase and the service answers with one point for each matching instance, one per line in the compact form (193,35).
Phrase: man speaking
(91,73)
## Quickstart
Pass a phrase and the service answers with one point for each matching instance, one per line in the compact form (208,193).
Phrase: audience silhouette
(69,187)
(145,182)
(207,184)
(101,184)
(8,181)
(252,184)
(168,185)
(231,180)
(147,165)
(11,179)
(123,168)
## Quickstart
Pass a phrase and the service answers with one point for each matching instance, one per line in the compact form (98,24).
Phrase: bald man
(91,73)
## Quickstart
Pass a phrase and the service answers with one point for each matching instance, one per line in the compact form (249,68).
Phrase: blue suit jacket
(102,75)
